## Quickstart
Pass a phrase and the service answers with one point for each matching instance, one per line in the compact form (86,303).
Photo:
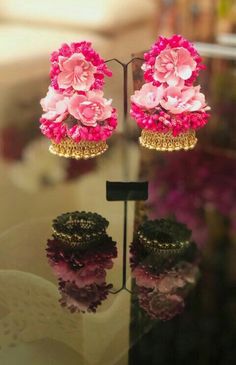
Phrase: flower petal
(172,80)
(65,79)
(185,71)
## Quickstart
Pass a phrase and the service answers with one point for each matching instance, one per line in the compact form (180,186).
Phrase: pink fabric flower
(177,100)
(174,66)
(76,72)
(148,96)
(55,105)
(89,55)
(90,108)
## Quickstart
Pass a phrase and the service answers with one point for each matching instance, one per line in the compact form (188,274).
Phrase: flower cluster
(82,273)
(168,101)
(75,106)
(174,60)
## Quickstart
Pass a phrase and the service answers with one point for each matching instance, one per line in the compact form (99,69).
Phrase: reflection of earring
(168,107)
(77,118)
(78,229)
(80,253)
(163,274)
(164,237)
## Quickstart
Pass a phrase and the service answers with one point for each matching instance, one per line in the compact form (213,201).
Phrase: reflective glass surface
(63,305)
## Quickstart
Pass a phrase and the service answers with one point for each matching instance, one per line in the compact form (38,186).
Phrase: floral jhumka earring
(169,108)
(77,118)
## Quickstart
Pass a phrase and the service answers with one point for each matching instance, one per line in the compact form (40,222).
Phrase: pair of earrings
(78,119)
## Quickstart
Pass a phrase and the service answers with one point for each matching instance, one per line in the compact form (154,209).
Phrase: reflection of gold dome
(167,142)
(81,150)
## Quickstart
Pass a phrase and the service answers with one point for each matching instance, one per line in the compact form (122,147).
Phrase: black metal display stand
(125,191)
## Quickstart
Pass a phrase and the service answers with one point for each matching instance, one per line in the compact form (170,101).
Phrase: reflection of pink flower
(169,283)
(54,105)
(143,277)
(174,66)
(76,72)
(89,274)
(165,307)
(177,100)
(160,306)
(90,108)
(85,299)
(189,272)
(148,96)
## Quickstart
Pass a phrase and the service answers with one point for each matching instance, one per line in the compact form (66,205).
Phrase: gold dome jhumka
(82,150)
(167,142)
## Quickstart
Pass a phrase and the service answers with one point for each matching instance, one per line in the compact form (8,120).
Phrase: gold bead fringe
(81,150)
(167,142)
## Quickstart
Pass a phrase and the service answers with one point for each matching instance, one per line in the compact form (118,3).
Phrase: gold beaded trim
(79,228)
(157,246)
(166,141)
(76,239)
(81,150)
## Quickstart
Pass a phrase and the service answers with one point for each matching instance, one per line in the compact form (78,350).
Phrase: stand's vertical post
(125,243)
(125,96)
(124,191)
(125,122)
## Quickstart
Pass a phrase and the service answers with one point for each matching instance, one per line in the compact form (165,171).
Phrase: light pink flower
(148,96)
(90,108)
(54,105)
(174,66)
(76,72)
(178,100)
